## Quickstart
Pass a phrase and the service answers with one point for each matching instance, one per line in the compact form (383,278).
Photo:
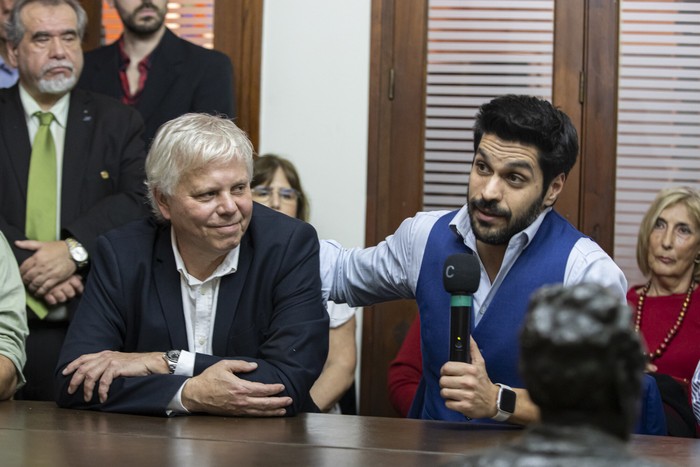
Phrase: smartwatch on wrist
(505,403)
(171,357)
(78,253)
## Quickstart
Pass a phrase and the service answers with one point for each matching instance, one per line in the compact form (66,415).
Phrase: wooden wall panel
(238,34)
(395,172)
(93,32)
(599,135)
(569,28)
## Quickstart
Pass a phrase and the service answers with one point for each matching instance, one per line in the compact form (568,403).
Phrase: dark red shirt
(405,371)
(144,66)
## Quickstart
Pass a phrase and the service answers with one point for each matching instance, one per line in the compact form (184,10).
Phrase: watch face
(506,400)
(79,254)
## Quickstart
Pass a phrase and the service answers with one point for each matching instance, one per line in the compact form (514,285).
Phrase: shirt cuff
(175,406)
(339,314)
(185,364)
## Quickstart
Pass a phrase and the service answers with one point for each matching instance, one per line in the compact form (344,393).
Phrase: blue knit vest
(542,262)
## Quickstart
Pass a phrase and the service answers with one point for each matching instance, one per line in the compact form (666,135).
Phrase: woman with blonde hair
(667,307)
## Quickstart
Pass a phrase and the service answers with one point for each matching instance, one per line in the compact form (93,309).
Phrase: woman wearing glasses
(276,184)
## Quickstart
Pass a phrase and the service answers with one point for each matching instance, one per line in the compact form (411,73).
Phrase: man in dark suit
(215,308)
(155,71)
(97,174)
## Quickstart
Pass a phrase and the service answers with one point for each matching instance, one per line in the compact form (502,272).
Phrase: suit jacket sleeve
(128,201)
(295,343)
(14,146)
(107,319)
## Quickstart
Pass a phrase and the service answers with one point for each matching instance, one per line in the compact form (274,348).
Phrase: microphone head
(461,274)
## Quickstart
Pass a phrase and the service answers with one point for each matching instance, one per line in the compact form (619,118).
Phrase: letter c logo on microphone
(450,271)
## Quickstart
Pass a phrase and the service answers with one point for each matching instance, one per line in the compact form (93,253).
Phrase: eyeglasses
(286,195)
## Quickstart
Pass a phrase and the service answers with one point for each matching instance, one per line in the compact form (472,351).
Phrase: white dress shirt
(199,300)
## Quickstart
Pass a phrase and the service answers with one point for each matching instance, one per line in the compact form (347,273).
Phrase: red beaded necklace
(674,329)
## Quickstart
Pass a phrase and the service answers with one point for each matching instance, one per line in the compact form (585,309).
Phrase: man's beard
(501,236)
(60,84)
(143,29)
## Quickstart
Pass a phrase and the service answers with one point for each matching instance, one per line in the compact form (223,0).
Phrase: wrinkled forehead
(199,169)
(38,18)
(679,212)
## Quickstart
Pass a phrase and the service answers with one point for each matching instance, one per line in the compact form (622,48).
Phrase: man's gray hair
(188,143)
(14,29)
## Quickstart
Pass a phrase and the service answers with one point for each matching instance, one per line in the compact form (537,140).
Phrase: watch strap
(502,415)
(73,246)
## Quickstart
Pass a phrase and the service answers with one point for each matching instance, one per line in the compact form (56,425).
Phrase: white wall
(314,108)
(314,105)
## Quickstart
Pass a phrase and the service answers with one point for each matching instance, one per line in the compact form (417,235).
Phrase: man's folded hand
(217,390)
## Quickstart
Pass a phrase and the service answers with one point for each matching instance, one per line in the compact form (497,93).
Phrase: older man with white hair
(212,307)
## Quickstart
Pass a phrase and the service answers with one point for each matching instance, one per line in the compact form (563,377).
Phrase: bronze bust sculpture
(582,364)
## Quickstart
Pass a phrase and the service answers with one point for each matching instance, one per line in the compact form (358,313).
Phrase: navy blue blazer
(269,311)
(183,78)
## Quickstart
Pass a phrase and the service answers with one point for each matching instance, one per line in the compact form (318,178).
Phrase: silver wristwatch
(77,252)
(171,357)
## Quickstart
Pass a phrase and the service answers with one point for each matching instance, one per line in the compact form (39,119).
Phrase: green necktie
(41,195)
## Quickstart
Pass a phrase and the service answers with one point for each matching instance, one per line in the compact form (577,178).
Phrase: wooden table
(40,434)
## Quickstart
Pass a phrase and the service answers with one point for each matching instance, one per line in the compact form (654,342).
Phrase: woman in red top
(667,308)
(405,371)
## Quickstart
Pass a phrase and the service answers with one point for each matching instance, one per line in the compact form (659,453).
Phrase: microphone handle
(460,328)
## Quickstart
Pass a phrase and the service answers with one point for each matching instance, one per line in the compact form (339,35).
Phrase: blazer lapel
(167,280)
(167,63)
(15,135)
(76,151)
(230,291)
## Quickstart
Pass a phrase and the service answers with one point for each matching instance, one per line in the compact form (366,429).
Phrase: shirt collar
(228,266)
(59,109)
(461,226)
(125,60)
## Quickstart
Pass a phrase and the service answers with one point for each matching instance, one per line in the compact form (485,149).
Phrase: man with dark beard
(156,72)
(524,149)
(72,167)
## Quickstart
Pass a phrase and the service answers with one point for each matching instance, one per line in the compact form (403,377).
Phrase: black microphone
(461,279)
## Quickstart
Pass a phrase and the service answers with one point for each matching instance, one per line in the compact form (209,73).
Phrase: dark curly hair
(533,121)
